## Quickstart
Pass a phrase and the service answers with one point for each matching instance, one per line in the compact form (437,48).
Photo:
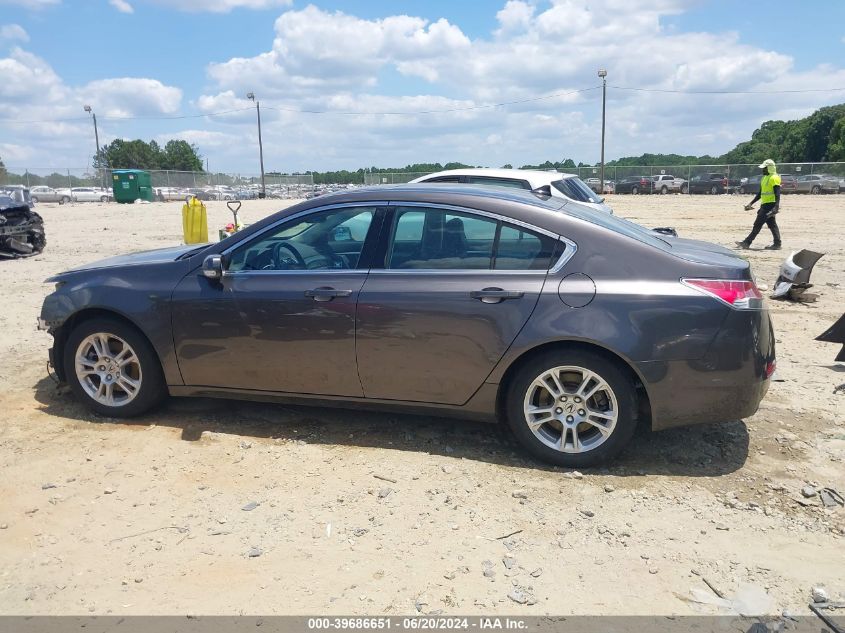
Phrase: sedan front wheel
(113,369)
(572,409)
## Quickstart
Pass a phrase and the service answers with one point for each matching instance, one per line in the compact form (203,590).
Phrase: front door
(282,318)
(453,291)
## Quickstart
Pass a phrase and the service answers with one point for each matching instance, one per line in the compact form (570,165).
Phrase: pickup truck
(665,183)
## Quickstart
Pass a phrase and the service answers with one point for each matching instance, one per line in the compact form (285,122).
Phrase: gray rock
(255,552)
(384,493)
(820,594)
(808,492)
(508,562)
(489,573)
(252,505)
(537,572)
(446,468)
(47,486)
(609,488)
(518,596)
(519,494)
(587,513)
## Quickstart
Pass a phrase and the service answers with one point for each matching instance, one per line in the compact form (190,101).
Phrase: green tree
(836,149)
(181,156)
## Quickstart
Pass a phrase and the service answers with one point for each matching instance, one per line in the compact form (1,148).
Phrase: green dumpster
(131,184)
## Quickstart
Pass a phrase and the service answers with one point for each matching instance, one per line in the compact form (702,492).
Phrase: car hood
(157,256)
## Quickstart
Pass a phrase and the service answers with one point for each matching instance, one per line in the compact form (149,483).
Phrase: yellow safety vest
(767,188)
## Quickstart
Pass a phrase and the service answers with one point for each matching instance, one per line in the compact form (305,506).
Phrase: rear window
(620,225)
(575,189)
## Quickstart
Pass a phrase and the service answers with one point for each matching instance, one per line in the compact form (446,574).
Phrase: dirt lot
(104,516)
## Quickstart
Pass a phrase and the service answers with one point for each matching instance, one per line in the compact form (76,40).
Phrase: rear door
(449,291)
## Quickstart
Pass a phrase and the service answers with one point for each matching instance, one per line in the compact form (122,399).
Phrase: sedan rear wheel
(713,190)
(64,200)
(635,190)
(664,190)
(113,369)
(572,409)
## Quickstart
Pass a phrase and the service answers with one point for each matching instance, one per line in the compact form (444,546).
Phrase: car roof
(532,175)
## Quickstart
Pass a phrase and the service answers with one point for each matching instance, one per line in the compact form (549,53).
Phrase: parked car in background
(568,324)
(567,186)
(751,184)
(634,185)
(90,194)
(43,193)
(842,185)
(666,183)
(817,183)
(199,194)
(595,185)
(788,183)
(167,194)
(712,183)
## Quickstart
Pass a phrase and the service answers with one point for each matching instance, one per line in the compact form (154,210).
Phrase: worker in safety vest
(769,197)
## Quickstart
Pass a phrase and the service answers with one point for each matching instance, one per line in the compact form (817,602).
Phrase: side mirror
(212,267)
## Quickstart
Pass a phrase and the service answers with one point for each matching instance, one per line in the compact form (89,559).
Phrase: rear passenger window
(437,239)
(519,249)
(442,240)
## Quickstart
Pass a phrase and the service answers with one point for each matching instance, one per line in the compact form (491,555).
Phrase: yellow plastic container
(194,222)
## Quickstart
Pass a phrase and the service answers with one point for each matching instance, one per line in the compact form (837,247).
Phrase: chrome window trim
(459,209)
(313,271)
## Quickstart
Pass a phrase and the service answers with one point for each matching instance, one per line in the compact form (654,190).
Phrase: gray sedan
(570,325)
(48,194)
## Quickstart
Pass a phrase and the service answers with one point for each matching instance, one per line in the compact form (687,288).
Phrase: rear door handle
(495,295)
(326,294)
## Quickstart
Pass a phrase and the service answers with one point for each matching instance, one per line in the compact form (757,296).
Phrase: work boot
(772,247)
(743,245)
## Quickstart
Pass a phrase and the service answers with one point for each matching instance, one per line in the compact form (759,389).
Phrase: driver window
(324,240)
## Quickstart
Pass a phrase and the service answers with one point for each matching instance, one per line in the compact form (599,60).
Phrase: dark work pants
(761,220)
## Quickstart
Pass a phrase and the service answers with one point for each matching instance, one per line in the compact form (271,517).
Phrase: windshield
(575,189)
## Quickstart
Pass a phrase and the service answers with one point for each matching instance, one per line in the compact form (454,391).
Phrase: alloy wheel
(571,409)
(108,369)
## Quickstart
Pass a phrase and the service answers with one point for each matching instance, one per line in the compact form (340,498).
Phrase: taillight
(739,294)
(771,366)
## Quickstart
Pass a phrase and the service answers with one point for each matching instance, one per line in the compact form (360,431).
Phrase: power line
(727,92)
(133,118)
(483,106)
(435,111)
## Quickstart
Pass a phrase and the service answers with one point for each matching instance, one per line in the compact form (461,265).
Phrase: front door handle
(326,293)
(495,295)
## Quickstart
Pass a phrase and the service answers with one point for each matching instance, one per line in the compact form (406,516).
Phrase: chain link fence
(689,178)
(800,177)
(168,183)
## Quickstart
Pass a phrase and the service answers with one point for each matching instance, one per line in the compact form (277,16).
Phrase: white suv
(567,186)
(664,183)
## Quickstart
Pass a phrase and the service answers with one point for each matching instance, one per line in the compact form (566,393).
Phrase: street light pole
(87,108)
(603,75)
(251,97)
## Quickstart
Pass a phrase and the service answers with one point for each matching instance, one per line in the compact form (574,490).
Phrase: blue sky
(169,58)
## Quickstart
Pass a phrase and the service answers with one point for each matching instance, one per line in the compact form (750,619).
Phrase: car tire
(64,200)
(571,367)
(714,190)
(101,342)
(104,198)
(34,199)
(664,190)
(816,190)
(635,190)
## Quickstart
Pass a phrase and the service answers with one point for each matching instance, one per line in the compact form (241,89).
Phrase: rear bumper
(728,383)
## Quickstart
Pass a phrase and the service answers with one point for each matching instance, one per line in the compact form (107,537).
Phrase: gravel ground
(214,507)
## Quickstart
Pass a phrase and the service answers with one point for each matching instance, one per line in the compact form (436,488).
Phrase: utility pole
(251,97)
(87,108)
(603,75)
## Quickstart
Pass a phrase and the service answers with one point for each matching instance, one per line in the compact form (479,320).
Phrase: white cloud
(13,32)
(122,5)
(403,65)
